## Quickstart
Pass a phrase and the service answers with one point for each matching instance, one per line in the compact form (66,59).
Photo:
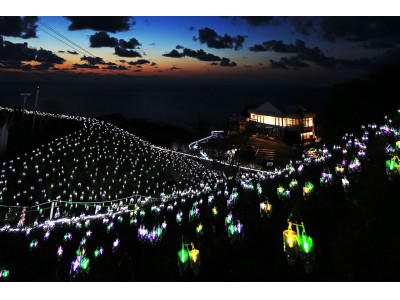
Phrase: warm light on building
(292,118)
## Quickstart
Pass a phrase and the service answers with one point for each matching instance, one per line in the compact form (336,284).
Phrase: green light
(159,231)
(306,243)
(228,220)
(85,263)
(191,212)
(78,252)
(96,253)
(31,244)
(232,229)
(5,273)
(281,190)
(131,221)
(183,255)
(309,185)
(392,165)
(293,183)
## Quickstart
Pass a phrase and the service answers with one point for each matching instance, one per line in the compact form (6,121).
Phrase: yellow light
(290,236)
(83,251)
(194,255)
(214,210)
(306,190)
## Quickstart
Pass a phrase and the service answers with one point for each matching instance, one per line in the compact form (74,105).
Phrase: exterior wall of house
(305,126)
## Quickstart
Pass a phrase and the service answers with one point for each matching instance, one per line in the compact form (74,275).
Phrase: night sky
(260,50)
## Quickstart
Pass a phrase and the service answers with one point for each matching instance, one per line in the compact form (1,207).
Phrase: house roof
(267,109)
(288,111)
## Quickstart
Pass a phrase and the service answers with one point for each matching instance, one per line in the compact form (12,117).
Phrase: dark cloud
(110,64)
(391,56)
(209,37)
(198,54)
(305,55)
(14,64)
(153,64)
(259,21)
(115,67)
(61,51)
(17,51)
(12,55)
(122,60)
(285,62)
(174,54)
(369,32)
(174,68)
(85,66)
(358,63)
(102,39)
(139,67)
(247,67)
(225,62)
(109,24)
(137,70)
(72,52)
(131,44)
(279,46)
(152,44)
(303,25)
(191,28)
(48,57)
(179,47)
(23,27)
(277,64)
(139,62)
(44,67)
(126,53)
(93,60)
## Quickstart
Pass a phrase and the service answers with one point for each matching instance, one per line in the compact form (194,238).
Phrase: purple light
(75,264)
(239,227)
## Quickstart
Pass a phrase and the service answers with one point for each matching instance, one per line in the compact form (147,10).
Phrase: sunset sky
(296,50)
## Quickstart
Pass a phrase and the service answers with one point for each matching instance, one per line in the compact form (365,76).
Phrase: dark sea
(179,104)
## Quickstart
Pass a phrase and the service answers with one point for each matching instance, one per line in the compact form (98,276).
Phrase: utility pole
(23,107)
(34,114)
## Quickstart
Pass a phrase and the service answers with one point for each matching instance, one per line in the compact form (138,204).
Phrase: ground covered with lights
(101,204)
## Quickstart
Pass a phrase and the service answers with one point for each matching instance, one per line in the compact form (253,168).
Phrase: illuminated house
(290,120)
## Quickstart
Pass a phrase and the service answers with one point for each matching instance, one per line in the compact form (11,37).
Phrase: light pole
(34,114)
(23,107)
